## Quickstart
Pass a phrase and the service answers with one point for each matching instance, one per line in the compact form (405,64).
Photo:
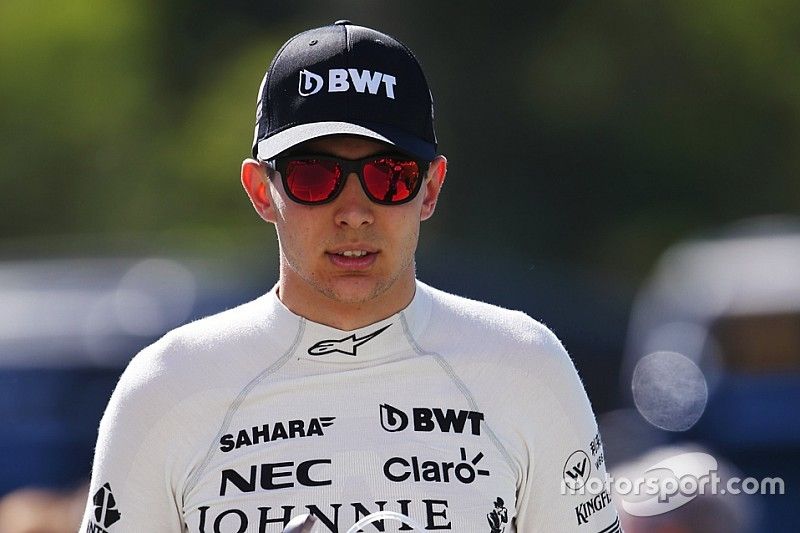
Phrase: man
(351,387)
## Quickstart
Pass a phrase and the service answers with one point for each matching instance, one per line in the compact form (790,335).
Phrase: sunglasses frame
(347,166)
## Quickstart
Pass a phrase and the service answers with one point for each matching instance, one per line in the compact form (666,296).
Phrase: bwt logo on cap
(342,80)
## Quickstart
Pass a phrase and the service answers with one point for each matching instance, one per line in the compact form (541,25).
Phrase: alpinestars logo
(347,346)
(105,508)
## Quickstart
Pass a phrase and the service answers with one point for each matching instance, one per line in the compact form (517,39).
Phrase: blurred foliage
(590,132)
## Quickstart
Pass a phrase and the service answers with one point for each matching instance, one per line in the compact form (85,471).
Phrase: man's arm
(131,481)
(563,490)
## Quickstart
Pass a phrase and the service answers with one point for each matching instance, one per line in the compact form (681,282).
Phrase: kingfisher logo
(342,80)
(585,510)
(347,346)
(105,509)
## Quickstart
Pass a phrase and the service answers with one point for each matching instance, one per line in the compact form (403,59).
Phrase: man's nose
(353,207)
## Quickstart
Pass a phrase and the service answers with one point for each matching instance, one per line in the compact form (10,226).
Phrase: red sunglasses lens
(391,180)
(312,180)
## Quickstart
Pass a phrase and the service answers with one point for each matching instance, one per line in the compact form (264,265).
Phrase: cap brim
(283,140)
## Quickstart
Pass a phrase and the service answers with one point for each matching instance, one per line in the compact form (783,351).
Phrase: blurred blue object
(753,411)
(50,418)
(730,302)
(68,327)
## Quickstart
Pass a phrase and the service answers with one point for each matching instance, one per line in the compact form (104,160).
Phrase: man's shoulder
(469,321)
(486,343)
(213,349)
(188,375)
(236,326)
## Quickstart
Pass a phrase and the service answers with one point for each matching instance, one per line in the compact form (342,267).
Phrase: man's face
(319,244)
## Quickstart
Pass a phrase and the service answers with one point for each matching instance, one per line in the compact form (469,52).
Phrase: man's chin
(356,289)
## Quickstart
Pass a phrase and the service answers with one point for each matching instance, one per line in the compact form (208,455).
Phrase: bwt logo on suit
(342,80)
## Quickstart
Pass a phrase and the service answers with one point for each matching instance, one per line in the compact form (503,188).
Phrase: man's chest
(345,447)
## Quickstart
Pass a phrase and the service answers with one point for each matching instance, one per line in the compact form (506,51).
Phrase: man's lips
(353,257)
(352,247)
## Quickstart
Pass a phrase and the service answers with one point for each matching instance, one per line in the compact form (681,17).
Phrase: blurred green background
(583,138)
(594,133)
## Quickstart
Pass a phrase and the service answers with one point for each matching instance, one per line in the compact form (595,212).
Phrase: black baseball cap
(344,79)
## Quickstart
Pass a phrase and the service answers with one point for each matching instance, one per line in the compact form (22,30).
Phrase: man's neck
(309,302)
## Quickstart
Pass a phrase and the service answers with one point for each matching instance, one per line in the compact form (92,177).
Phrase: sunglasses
(318,179)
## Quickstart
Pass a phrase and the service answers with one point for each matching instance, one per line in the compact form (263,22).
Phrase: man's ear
(255,182)
(433,186)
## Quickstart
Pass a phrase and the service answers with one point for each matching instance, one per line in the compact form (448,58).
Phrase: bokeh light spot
(669,390)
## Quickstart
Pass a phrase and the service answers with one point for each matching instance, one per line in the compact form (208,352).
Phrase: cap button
(342,22)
